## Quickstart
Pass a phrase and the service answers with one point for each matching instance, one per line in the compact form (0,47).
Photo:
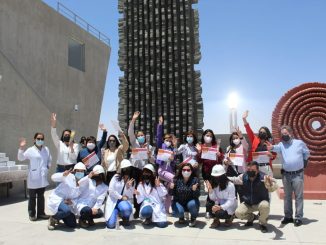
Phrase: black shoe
(43,216)
(297,222)
(125,222)
(136,215)
(263,228)
(286,220)
(32,218)
(249,223)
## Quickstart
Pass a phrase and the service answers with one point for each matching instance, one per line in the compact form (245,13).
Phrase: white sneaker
(192,223)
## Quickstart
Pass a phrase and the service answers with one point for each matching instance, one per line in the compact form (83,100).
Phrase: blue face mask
(190,140)
(79,175)
(39,142)
(141,139)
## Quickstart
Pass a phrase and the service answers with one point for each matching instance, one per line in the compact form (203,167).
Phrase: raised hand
(157,182)
(171,186)
(22,143)
(130,182)
(136,115)
(174,141)
(239,132)
(198,147)
(195,186)
(160,120)
(53,120)
(102,127)
(65,173)
(244,117)
(208,185)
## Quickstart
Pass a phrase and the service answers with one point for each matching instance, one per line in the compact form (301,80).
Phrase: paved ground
(15,228)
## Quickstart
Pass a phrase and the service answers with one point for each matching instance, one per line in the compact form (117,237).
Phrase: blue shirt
(293,154)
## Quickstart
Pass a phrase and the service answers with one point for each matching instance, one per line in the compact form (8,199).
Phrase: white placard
(261,157)
(116,126)
(139,153)
(209,153)
(237,159)
(164,155)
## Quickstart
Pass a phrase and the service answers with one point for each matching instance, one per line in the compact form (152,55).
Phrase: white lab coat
(115,189)
(67,189)
(91,195)
(226,198)
(39,164)
(153,197)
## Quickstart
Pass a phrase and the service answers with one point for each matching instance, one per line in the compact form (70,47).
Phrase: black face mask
(262,135)
(215,182)
(66,138)
(286,137)
(251,174)
(97,178)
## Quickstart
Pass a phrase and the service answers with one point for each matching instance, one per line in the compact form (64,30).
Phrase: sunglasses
(186,170)
(111,140)
(39,138)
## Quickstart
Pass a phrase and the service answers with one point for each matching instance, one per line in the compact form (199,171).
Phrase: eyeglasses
(39,138)
(186,170)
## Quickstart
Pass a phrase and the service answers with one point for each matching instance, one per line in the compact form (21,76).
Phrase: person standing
(39,163)
(295,155)
(67,150)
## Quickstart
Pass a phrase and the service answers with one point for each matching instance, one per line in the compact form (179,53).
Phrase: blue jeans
(66,215)
(147,213)
(192,206)
(123,208)
(293,183)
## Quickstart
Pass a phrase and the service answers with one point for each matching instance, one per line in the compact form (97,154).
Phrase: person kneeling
(256,186)
(121,189)
(151,193)
(61,201)
(222,192)
(93,193)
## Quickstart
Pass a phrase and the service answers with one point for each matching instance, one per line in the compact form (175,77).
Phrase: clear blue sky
(258,48)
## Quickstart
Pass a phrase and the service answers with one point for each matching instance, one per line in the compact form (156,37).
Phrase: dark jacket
(253,192)
(183,193)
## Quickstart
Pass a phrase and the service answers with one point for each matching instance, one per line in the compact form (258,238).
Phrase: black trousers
(136,175)
(221,214)
(33,195)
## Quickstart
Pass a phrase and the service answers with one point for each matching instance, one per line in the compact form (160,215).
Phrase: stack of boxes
(6,165)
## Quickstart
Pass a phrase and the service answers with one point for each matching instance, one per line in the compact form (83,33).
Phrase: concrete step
(11,163)
(4,159)
(2,154)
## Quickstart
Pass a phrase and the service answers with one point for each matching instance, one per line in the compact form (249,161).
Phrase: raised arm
(249,131)
(54,135)
(21,155)
(131,129)
(104,135)
(159,133)
(124,143)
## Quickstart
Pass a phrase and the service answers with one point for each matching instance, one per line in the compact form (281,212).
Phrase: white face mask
(186,174)
(236,141)
(90,146)
(167,143)
(208,139)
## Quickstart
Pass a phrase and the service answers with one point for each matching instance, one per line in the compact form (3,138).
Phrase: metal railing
(82,23)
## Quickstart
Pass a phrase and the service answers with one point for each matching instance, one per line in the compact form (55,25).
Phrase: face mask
(251,174)
(190,140)
(97,178)
(186,174)
(208,139)
(39,142)
(215,182)
(286,137)
(66,138)
(236,141)
(262,135)
(90,146)
(167,143)
(112,144)
(79,175)
(141,139)
(146,177)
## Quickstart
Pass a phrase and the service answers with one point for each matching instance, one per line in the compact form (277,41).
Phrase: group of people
(95,179)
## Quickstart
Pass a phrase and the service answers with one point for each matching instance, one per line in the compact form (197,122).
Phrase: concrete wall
(36,79)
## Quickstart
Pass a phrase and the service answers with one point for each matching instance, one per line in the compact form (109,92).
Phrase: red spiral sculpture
(300,108)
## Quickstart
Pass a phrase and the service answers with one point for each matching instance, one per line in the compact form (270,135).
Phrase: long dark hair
(222,182)
(151,179)
(179,172)
(231,140)
(190,132)
(268,132)
(213,137)
(117,143)
(123,173)
(63,132)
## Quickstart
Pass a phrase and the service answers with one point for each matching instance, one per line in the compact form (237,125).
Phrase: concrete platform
(17,229)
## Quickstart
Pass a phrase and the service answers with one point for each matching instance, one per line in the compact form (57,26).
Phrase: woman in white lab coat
(93,193)
(62,200)
(150,192)
(222,191)
(121,190)
(39,163)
